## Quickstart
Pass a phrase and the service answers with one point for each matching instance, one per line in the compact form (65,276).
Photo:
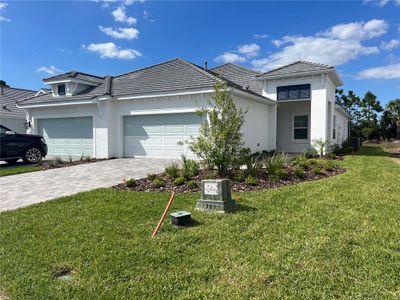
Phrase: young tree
(220,140)
(351,102)
(370,107)
(393,109)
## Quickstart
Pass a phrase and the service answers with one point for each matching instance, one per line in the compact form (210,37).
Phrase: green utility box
(216,196)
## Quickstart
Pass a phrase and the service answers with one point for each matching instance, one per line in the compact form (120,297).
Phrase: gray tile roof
(76,75)
(173,75)
(9,98)
(297,67)
(240,75)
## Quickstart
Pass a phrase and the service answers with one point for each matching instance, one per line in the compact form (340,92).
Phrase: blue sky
(42,38)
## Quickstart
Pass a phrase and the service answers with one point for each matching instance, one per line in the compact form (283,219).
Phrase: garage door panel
(68,136)
(160,134)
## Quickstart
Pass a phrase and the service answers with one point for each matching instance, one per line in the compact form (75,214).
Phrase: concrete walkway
(29,188)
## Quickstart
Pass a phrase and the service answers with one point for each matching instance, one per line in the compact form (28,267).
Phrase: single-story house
(146,112)
(10,115)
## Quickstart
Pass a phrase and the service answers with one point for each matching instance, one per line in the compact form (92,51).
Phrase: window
(334,127)
(300,127)
(61,89)
(291,92)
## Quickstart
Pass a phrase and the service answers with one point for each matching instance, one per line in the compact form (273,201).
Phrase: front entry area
(68,136)
(158,135)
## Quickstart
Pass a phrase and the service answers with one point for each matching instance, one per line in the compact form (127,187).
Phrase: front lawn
(12,170)
(337,237)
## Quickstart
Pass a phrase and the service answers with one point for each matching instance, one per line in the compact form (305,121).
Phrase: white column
(319,115)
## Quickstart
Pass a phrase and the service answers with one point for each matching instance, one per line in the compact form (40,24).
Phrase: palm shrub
(322,146)
(172,169)
(190,168)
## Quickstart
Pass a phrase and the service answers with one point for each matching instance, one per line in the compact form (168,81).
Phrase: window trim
(301,114)
(292,85)
(334,123)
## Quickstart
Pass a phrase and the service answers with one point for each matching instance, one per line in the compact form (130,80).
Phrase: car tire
(32,155)
(11,161)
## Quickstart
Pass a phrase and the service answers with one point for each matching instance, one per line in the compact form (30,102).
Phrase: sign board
(211,188)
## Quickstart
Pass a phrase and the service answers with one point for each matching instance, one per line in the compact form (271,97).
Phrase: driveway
(30,188)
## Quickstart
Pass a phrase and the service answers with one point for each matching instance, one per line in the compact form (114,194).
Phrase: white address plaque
(211,188)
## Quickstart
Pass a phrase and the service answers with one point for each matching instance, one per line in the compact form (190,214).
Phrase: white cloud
(385,72)
(260,36)
(49,70)
(335,46)
(392,44)
(110,50)
(249,50)
(119,15)
(121,33)
(357,30)
(229,57)
(380,3)
(3,5)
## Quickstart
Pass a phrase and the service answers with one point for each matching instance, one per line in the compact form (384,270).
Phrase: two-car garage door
(158,135)
(68,136)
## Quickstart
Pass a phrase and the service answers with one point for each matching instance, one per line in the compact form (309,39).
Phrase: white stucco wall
(108,118)
(342,125)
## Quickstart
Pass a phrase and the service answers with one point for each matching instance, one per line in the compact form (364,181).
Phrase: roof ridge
(145,68)
(238,66)
(74,73)
(297,62)
(13,88)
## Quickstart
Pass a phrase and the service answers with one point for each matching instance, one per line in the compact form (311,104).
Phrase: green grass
(334,238)
(12,170)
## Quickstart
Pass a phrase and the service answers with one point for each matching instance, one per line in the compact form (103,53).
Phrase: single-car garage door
(68,136)
(158,135)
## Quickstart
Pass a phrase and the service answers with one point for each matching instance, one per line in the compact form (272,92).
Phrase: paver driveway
(29,188)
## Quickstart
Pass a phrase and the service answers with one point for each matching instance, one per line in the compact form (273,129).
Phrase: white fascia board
(254,97)
(336,77)
(162,111)
(170,94)
(55,104)
(337,106)
(72,80)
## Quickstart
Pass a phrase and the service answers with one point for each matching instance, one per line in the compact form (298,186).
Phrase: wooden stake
(163,215)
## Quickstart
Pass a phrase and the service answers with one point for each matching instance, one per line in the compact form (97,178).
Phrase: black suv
(13,146)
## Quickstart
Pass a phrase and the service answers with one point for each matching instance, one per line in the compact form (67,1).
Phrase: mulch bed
(146,185)
(47,165)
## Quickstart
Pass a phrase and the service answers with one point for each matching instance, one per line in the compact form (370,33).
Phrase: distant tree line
(369,119)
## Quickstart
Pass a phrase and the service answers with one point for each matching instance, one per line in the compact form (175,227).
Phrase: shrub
(299,159)
(329,166)
(322,145)
(158,182)
(172,170)
(191,184)
(334,149)
(311,153)
(299,172)
(317,171)
(58,160)
(220,136)
(179,180)
(88,158)
(250,180)
(151,176)
(208,175)
(239,178)
(190,168)
(129,182)
(276,163)
(253,165)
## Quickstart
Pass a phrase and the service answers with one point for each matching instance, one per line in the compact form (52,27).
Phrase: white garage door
(158,135)
(68,136)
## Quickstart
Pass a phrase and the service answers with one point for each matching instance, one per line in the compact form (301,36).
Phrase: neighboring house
(145,113)
(10,115)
